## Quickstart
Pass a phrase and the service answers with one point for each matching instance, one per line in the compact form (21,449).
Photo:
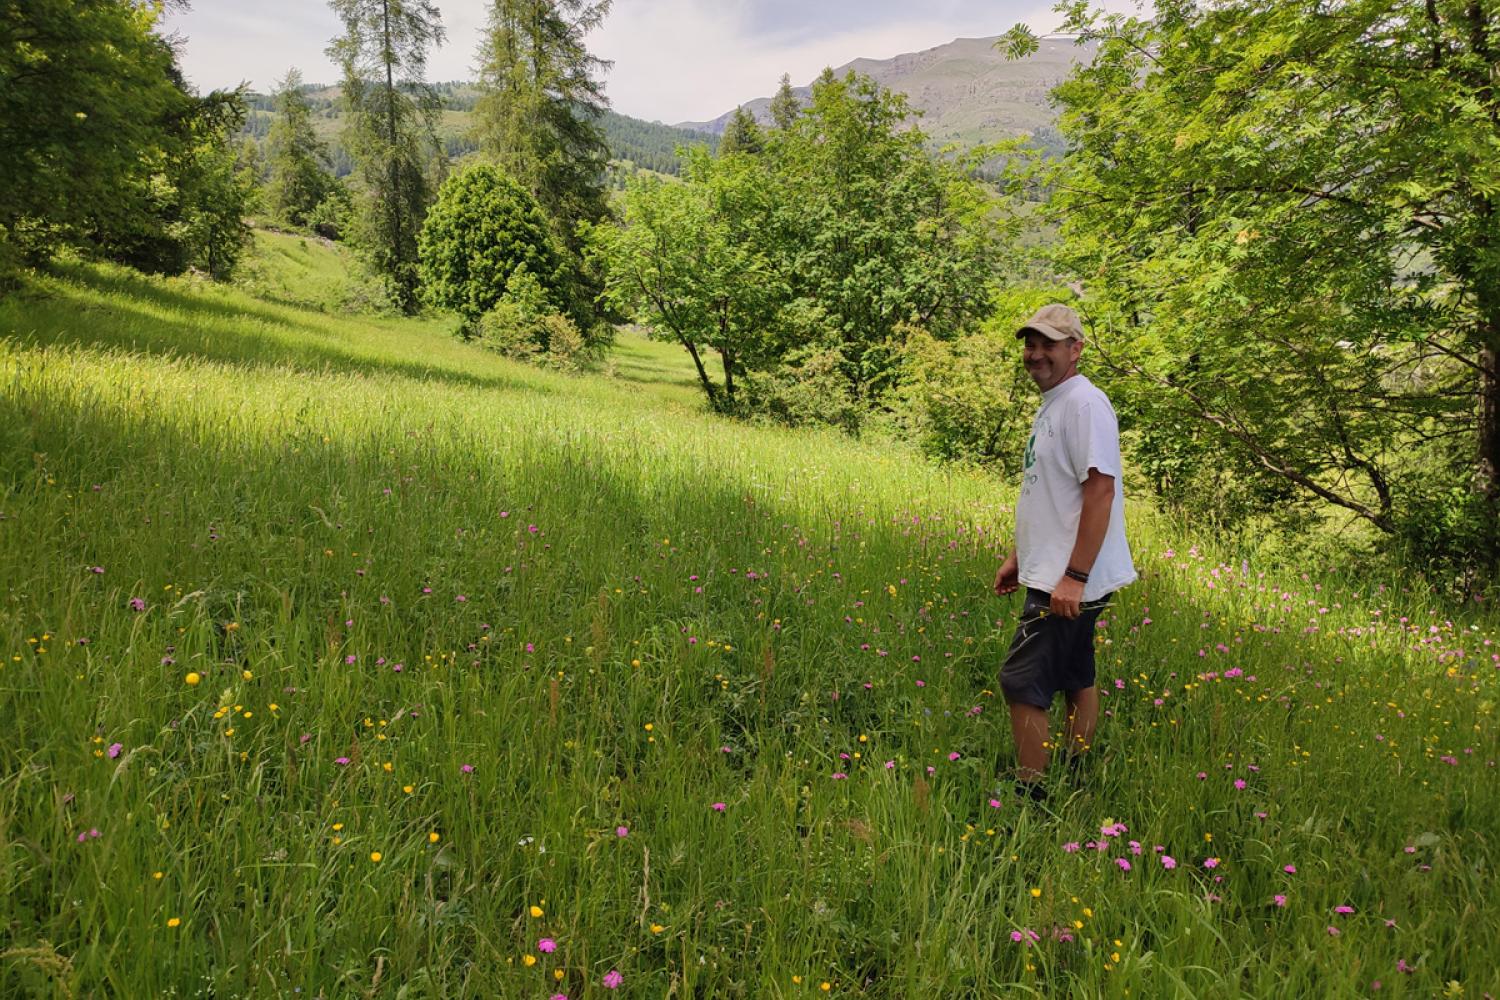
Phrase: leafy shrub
(482,230)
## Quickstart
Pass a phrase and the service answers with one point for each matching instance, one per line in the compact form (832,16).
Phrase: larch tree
(300,174)
(392,130)
(539,118)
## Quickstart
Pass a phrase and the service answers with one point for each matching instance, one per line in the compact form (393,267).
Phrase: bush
(330,219)
(968,399)
(808,389)
(483,230)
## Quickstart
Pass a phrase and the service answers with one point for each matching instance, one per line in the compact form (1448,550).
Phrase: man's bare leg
(1083,717)
(1028,724)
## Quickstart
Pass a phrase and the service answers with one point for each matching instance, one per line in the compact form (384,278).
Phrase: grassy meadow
(342,659)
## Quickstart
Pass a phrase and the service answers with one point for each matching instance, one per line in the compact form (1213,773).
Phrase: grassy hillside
(343,658)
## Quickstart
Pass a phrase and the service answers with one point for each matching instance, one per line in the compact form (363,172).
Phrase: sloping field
(343,658)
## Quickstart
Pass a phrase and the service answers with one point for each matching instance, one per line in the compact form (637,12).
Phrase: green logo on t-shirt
(1030,452)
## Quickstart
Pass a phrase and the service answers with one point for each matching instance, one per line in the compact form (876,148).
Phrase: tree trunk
(708,385)
(393,179)
(1489,430)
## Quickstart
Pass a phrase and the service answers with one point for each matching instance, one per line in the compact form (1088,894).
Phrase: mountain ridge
(967,91)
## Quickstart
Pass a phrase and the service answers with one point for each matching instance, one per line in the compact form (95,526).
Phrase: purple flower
(1124,864)
(466,768)
(622,831)
(97,570)
(1168,862)
(546,945)
(137,604)
(612,979)
(718,807)
(341,761)
(114,750)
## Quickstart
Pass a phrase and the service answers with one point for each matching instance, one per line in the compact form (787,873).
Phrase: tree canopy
(391,131)
(1284,214)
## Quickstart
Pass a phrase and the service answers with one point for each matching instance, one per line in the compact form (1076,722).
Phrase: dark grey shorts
(1050,653)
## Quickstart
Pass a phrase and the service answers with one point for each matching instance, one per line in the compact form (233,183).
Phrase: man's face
(1048,361)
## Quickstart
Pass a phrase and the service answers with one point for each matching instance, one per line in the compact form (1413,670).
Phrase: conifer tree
(392,130)
(784,106)
(539,117)
(297,158)
(742,134)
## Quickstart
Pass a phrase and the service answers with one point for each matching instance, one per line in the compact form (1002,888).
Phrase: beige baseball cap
(1055,322)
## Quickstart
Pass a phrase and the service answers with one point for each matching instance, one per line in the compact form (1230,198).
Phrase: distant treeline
(641,144)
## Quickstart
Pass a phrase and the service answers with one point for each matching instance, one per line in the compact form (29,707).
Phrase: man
(1070,550)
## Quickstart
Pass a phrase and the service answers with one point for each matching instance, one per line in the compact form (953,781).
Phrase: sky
(674,60)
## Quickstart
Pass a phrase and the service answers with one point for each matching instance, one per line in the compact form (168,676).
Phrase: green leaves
(813,251)
(1273,197)
(482,229)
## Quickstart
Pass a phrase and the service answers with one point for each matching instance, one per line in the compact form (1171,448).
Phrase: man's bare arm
(1093,523)
(1098,498)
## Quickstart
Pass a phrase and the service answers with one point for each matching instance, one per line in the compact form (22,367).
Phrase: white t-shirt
(1074,431)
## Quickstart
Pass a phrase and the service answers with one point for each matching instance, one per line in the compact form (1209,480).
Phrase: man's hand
(1008,579)
(1067,597)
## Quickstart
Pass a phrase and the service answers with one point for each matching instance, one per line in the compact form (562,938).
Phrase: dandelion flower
(174,921)
(192,679)
(375,856)
(528,960)
(536,911)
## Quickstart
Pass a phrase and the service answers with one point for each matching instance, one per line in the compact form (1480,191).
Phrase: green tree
(784,106)
(1286,215)
(297,160)
(873,235)
(88,97)
(217,193)
(187,207)
(742,135)
(682,263)
(483,228)
(391,131)
(539,113)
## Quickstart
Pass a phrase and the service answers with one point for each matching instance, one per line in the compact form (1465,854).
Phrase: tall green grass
(706,705)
